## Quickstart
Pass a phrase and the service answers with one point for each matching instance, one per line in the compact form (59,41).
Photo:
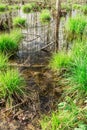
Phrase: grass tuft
(19,22)
(45,16)
(27,8)
(66,118)
(3,62)
(75,27)
(76,6)
(2,7)
(59,60)
(78,76)
(84,9)
(16,7)
(66,7)
(11,85)
(35,6)
(9,42)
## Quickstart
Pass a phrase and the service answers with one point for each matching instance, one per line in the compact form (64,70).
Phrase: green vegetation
(19,22)
(66,7)
(11,86)
(35,6)
(27,8)
(78,72)
(76,64)
(69,65)
(45,16)
(75,27)
(59,60)
(76,6)
(9,42)
(84,9)
(2,7)
(72,112)
(30,7)
(16,7)
(3,62)
(10,7)
(67,117)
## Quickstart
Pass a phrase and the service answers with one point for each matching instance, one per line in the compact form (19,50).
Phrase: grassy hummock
(2,8)
(11,86)
(75,27)
(35,7)
(30,7)
(9,42)
(78,71)
(27,8)
(84,9)
(19,22)
(45,16)
(76,6)
(59,60)
(14,7)
(72,112)
(66,7)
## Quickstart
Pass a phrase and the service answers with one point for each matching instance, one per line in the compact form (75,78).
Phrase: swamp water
(43,87)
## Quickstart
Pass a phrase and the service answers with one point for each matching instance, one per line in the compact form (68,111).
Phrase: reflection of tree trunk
(67,46)
(10,21)
(48,34)
(57,25)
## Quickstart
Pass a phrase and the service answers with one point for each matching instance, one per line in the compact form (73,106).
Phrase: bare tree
(58,11)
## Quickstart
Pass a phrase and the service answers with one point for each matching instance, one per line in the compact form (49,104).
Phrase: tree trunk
(58,10)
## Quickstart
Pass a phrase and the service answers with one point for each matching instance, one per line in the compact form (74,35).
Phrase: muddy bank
(43,90)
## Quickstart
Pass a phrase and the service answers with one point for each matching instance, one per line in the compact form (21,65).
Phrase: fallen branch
(13,107)
(26,65)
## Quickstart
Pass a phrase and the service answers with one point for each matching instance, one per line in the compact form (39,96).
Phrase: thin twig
(14,107)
